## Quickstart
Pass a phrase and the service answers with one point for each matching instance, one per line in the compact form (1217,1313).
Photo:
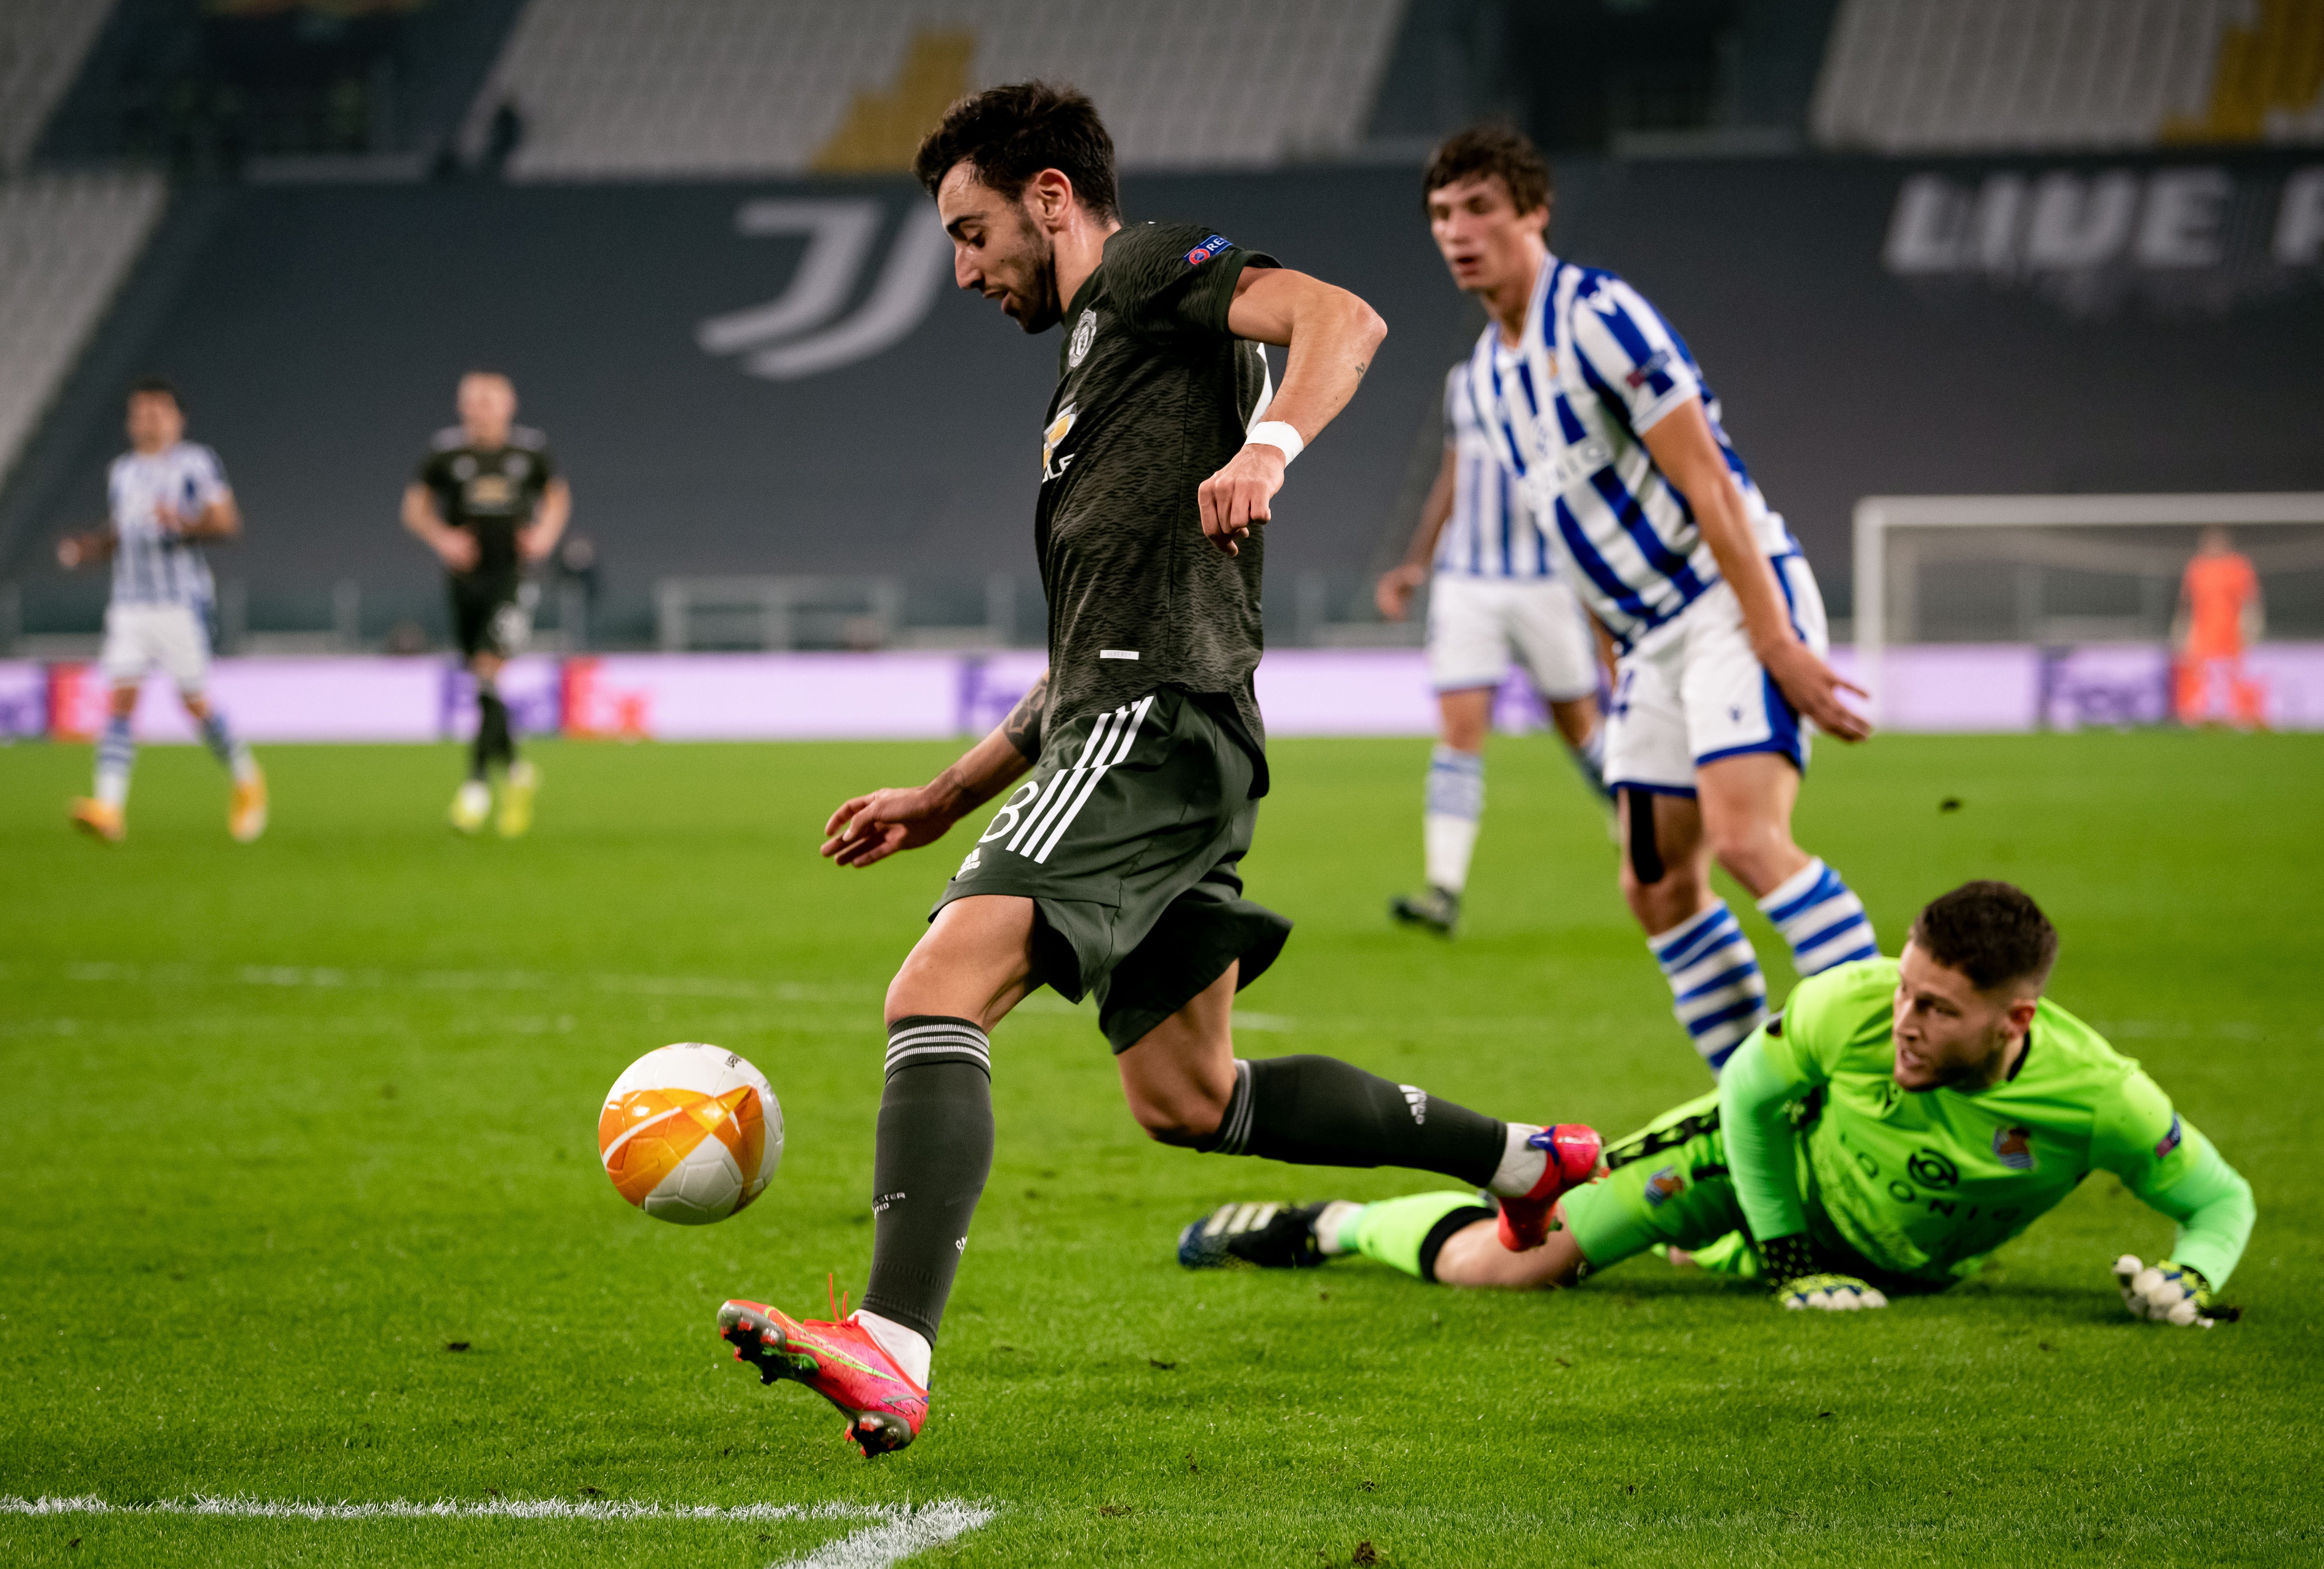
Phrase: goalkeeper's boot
(99,821)
(1572,1149)
(840,1362)
(516,799)
(1437,910)
(246,819)
(1272,1236)
(471,804)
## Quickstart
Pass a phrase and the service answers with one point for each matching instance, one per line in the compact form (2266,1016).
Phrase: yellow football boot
(246,819)
(516,799)
(99,820)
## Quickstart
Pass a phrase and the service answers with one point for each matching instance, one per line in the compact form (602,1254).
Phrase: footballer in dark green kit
(1895,1123)
(1133,769)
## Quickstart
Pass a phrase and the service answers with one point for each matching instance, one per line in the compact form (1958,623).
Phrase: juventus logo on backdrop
(795,334)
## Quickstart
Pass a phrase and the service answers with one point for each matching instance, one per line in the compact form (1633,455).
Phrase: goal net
(2079,593)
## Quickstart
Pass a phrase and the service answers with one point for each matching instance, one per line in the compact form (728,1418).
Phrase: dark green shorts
(1128,834)
(489,615)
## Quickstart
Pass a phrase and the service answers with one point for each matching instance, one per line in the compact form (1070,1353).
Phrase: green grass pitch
(289,1123)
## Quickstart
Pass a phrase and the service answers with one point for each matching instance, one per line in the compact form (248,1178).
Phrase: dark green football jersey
(491,493)
(1153,395)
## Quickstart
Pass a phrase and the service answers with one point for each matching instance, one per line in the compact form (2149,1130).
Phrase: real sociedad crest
(1084,333)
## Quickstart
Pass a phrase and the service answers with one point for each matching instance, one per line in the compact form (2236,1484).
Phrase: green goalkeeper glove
(1789,1262)
(2165,1293)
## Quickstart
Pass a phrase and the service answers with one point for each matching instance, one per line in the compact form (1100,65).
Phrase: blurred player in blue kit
(1494,596)
(168,498)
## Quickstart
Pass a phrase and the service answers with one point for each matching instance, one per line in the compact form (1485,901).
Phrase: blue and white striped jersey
(150,565)
(1491,533)
(1565,411)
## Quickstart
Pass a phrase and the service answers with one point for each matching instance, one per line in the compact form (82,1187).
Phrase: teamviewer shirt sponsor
(153,565)
(491,493)
(1566,412)
(1153,395)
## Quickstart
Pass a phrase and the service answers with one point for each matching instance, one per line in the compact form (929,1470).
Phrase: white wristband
(1280,434)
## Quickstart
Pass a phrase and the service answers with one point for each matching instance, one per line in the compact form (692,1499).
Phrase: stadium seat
(711,87)
(67,241)
(1900,76)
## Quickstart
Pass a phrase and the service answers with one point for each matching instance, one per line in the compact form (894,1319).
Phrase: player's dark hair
(157,387)
(1494,148)
(1991,932)
(1011,133)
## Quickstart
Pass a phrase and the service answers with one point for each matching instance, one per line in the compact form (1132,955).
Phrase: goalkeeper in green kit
(1899,1121)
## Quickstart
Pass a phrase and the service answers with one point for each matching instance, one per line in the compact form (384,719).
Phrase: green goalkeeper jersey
(1927,1183)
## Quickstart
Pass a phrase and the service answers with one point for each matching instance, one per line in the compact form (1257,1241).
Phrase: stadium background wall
(904,696)
(1872,325)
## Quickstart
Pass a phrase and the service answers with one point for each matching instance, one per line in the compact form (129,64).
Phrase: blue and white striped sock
(1590,757)
(1716,988)
(227,748)
(1822,919)
(1455,802)
(115,751)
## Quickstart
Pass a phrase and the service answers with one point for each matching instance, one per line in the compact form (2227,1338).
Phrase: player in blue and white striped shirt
(1597,410)
(1495,597)
(168,495)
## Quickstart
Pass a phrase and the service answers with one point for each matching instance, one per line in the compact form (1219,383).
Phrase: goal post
(2066,569)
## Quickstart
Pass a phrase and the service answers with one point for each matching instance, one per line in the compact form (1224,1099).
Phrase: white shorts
(1691,691)
(1477,625)
(138,637)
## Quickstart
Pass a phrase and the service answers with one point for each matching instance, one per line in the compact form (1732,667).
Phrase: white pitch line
(881,1546)
(250,1508)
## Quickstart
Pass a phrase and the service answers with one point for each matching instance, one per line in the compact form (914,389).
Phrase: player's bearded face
(1023,266)
(1946,1031)
(1000,249)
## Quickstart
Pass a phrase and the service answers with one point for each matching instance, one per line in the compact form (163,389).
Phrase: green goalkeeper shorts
(1128,834)
(1665,1185)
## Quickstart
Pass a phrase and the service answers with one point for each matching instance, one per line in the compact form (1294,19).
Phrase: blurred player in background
(1114,870)
(1899,1121)
(2220,615)
(1599,412)
(487,499)
(168,497)
(1495,596)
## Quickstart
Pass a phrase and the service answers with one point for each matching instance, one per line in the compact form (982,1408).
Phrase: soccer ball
(691,1133)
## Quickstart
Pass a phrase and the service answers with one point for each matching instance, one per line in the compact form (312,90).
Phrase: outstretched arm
(2175,1170)
(871,828)
(86,549)
(1330,335)
(1393,591)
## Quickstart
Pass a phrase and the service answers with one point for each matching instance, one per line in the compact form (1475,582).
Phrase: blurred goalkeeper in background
(1899,1121)
(487,499)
